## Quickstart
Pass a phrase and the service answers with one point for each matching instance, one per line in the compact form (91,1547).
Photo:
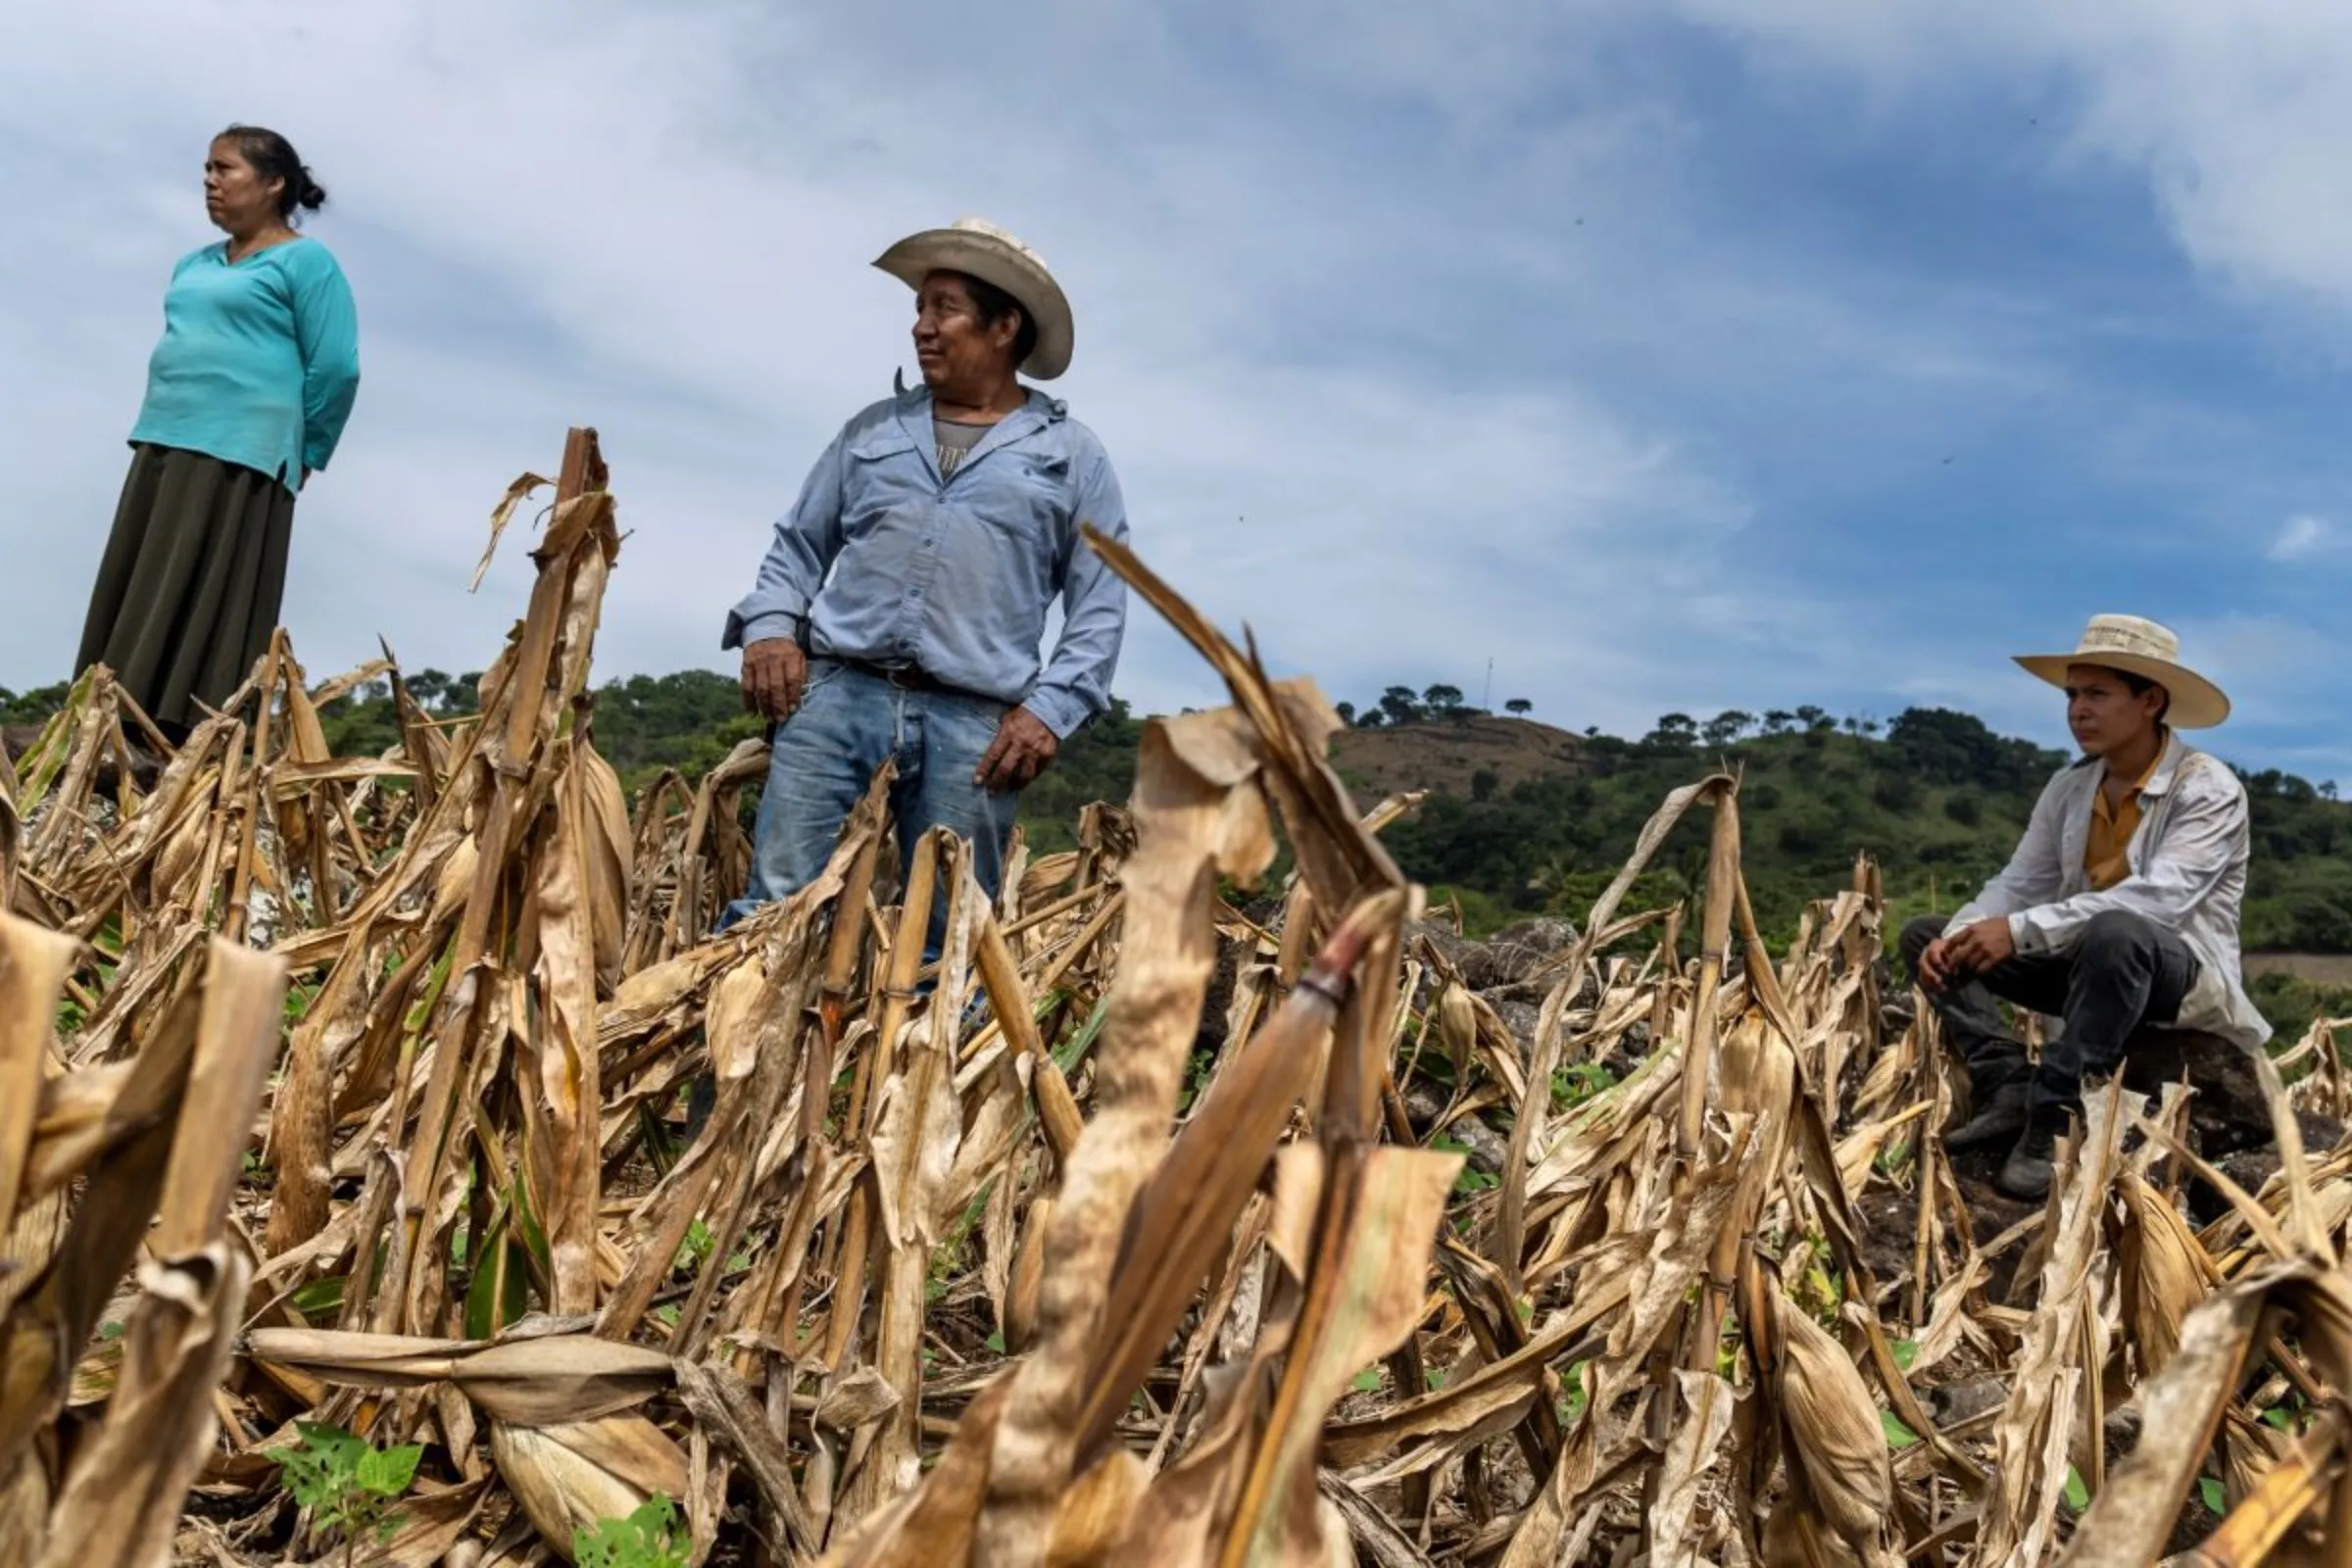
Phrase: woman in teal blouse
(246,397)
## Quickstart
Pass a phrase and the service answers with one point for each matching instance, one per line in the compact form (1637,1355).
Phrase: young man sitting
(2119,910)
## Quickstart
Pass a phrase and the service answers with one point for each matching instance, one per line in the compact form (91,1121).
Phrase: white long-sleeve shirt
(2188,875)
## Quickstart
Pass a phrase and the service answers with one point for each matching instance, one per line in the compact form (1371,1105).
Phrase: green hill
(1938,800)
(1523,818)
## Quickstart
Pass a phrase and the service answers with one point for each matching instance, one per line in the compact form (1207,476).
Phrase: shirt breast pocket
(1032,496)
(880,475)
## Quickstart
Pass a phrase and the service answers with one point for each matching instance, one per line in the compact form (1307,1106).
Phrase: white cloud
(658,220)
(2274,669)
(1297,236)
(2302,537)
(2234,114)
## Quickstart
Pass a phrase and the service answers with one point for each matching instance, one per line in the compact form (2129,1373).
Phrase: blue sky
(1679,355)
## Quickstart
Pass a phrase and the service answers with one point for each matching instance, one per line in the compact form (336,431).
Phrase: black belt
(906,678)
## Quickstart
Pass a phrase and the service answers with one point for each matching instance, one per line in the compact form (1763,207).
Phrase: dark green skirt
(188,592)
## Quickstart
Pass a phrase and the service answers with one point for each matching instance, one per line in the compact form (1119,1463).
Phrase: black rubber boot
(2027,1173)
(2000,1118)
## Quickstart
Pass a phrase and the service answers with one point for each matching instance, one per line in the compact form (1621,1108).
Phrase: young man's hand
(1936,966)
(775,672)
(1023,748)
(1972,950)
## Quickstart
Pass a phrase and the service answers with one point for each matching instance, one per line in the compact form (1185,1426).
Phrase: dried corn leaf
(122,1500)
(1197,817)
(33,966)
(2031,1439)
(544,1381)
(1371,1251)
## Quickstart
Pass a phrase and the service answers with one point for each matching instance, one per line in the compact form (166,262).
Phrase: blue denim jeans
(825,756)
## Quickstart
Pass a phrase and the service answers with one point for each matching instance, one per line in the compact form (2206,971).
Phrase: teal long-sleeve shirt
(260,359)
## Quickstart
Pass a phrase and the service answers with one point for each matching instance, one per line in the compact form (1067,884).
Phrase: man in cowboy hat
(2119,909)
(899,609)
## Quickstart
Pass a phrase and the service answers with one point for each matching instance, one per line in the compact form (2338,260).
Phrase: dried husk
(569,1476)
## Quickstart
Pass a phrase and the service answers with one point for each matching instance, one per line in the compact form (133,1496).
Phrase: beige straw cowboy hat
(980,249)
(2140,648)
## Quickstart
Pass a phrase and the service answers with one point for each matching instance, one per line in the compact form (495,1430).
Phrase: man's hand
(775,675)
(1936,966)
(1972,949)
(1023,748)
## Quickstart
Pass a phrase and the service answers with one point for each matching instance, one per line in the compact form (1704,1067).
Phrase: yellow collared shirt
(2106,852)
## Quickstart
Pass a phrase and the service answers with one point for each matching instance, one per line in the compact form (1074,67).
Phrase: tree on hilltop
(1401,706)
(1677,730)
(1518,707)
(1727,726)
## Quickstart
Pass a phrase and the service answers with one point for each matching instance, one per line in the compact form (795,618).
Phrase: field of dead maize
(348,1217)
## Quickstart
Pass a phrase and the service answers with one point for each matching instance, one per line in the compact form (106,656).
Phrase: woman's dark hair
(273,157)
(993,304)
(2140,686)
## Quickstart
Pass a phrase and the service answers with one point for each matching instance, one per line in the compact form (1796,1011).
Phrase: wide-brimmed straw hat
(2144,649)
(980,249)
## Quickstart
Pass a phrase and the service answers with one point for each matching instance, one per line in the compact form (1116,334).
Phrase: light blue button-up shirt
(893,566)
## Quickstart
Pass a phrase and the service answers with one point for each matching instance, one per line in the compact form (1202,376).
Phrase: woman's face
(235,196)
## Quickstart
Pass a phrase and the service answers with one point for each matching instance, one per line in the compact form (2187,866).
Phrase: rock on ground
(1515,953)
(2229,1112)
(1424,1102)
(2252,1168)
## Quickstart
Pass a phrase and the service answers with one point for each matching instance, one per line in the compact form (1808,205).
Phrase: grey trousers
(2127,973)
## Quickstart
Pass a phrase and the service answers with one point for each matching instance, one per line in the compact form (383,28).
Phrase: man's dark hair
(2140,685)
(273,157)
(993,304)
